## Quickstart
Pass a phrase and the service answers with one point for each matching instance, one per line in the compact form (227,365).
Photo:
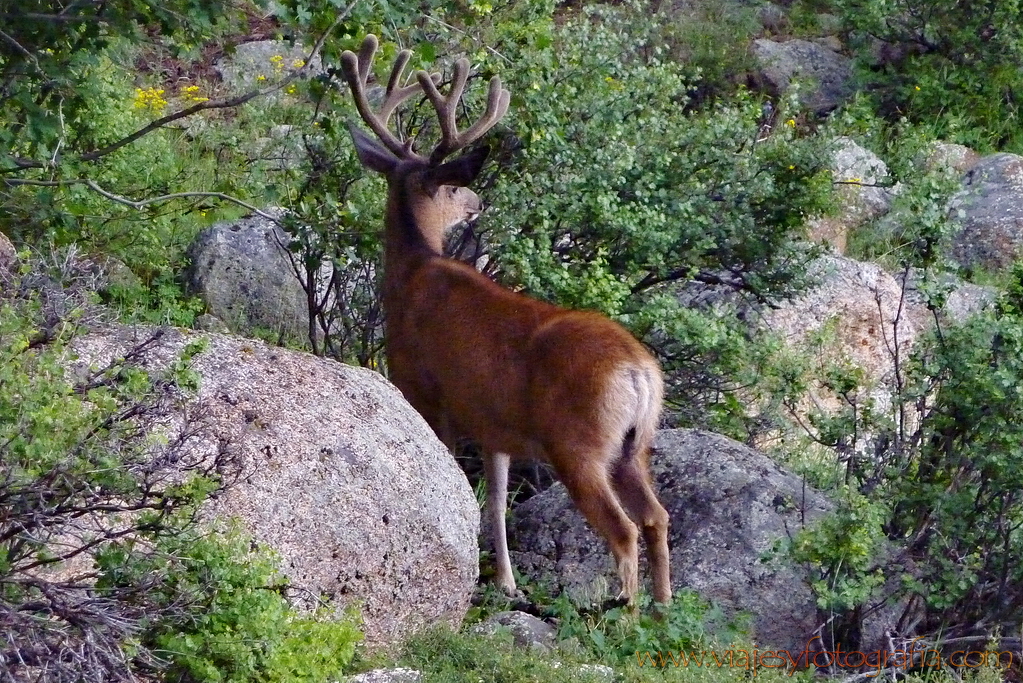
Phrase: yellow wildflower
(191,94)
(791,123)
(298,64)
(149,98)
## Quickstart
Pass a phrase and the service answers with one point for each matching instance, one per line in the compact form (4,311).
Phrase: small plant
(224,616)
(617,634)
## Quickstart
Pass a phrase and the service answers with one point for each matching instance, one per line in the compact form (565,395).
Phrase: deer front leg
(495,467)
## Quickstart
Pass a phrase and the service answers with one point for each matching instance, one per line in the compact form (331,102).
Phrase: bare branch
(142,203)
(224,103)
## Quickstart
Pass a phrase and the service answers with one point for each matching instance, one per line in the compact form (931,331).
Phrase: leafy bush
(223,615)
(617,634)
(935,508)
(104,574)
(952,65)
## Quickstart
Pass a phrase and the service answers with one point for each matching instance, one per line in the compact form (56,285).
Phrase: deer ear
(462,170)
(371,153)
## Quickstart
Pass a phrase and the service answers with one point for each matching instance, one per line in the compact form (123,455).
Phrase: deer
(520,377)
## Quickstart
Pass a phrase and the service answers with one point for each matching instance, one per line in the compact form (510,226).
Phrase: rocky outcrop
(242,272)
(989,211)
(864,315)
(338,475)
(8,254)
(728,504)
(262,62)
(864,191)
(829,74)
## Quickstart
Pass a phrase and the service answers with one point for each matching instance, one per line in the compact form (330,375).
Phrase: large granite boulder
(243,273)
(729,506)
(828,73)
(856,316)
(989,210)
(338,475)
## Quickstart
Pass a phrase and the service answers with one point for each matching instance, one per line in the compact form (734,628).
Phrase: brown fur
(523,378)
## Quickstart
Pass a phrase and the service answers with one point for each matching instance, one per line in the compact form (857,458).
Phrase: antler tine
(367,51)
(396,93)
(447,108)
(498,99)
(356,71)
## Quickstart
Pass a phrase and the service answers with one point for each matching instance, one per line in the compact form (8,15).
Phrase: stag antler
(356,70)
(446,107)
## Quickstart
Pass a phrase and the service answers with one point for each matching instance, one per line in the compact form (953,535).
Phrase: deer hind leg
(495,468)
(589,485)
(631,481)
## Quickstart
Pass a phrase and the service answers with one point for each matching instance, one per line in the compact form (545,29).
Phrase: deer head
(432,191)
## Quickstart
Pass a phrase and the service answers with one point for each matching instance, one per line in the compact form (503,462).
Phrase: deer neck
(407,243)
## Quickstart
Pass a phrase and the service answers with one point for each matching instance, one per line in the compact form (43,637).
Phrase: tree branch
(223,103)
(140,204)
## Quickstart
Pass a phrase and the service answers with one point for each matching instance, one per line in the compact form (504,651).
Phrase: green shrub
(954,66)
(614,636)
(934,503)
(104,573)
(223,614)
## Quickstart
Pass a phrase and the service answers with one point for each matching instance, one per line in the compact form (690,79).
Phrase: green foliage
(237,625)
(841,553)
(959,499)
(615,635)
(933,507)
(636,190)
(445,656)
(600,646)
(52,56)
(952,65)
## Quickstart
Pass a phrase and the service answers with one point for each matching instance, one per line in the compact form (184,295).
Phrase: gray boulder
(527,630)
(864,192)
(729,506)
(262,62)
(829,74)
(989,211)
(338,475)
(243,273)
(8,254)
